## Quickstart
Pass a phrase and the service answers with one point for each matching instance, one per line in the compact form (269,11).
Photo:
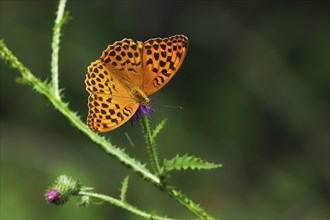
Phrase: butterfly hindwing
(107,113)
(162,57)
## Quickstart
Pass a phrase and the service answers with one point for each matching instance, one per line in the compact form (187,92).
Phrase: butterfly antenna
(171,106)
(129,139)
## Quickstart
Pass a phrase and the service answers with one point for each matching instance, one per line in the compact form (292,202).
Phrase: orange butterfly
(120,82)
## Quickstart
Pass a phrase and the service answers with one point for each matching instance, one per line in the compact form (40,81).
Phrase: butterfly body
(141,97)
(126,74)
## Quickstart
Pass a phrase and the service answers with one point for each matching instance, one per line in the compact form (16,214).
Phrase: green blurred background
(254,88)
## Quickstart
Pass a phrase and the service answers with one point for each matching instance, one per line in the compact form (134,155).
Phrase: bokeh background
(254,88)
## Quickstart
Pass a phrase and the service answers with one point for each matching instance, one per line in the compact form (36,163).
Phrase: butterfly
(127,73)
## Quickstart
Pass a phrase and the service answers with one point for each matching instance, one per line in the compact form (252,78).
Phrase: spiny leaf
(158,128)
(22,81)
(187,162)
(123,189)
(84,201)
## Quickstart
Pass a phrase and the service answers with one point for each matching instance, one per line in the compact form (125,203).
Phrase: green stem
(60,19)
(123,205)
(151,145)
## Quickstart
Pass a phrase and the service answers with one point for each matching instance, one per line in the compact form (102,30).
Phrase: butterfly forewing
(162,57)
(124,58)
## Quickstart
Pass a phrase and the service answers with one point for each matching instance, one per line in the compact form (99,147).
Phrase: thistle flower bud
(52,195)
(63,188)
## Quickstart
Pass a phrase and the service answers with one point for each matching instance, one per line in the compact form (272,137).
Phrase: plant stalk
(56,47)
(123,205)
(151,145)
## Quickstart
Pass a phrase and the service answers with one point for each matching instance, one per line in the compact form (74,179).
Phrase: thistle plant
(65,187)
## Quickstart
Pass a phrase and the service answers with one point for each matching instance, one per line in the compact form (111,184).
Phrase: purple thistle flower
(52,196)
(141,111)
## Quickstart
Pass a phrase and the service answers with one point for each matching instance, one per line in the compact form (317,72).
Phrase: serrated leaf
(84,201)
(123,189)
(22,80)
(187,162)
(158,128)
